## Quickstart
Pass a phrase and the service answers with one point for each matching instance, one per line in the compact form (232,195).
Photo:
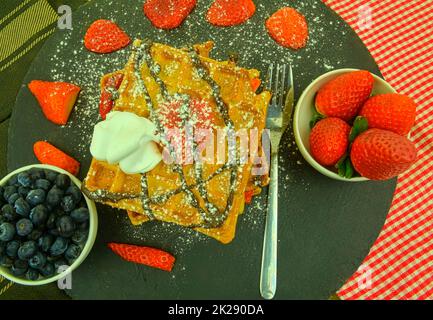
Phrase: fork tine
(270,77)
(283,89)
(275,91)
(290,77)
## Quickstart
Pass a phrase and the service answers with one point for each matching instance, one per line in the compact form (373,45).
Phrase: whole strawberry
(344,96)
(104,36)
(381,155)
(394,112)
(329,140)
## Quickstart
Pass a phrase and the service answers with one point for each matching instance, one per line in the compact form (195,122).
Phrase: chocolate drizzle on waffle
(212,217)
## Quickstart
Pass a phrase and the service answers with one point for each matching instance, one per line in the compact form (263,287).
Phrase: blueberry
(73,252)
(27,250)
(54,196)
(51,175)
(8,191)
(80,215)
(66,226)
(8,212)
(22,207)
(45,242)
(36,173)
(24,179)
(13,198)
(53,258)
(6,262)
(36,197)
(63,181)
(2,248)
(68,203)
(2,190)
(47,270)
(32,274)
(35,235)
(60,263)
(79,237)
(24,227)
(59,246)
(75,192)
(7,231)
(19,267)
(39,215)
(51,222)
(38,260)
(43,184)
(12,248)
(13,181)
(84,226)
(23,191)
(54,232)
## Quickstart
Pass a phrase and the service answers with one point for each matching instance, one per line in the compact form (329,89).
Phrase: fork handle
(268,276)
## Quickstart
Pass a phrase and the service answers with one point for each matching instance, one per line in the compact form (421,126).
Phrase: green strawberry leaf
(315,118)
(349,168)
(359,126)
(341,166)
(345,167)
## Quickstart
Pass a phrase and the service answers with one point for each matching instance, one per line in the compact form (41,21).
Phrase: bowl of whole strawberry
(47,225)
(351,125)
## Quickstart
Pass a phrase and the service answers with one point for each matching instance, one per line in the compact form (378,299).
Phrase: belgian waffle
(207,197)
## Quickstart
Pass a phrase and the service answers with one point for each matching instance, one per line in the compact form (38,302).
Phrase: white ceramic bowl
(93,228)
(304,112)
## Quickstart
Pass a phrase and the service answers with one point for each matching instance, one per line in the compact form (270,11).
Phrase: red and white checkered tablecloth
(399,34)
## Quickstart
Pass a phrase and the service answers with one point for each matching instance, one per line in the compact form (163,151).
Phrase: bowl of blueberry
(47,225)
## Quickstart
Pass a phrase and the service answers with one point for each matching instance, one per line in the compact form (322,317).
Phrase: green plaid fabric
(24,26)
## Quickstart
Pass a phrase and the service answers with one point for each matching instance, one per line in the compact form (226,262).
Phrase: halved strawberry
(168,14)
(55,98)
(48,154)
(144,255)
(289,28)
(226,13)
(105,36)
(107,100)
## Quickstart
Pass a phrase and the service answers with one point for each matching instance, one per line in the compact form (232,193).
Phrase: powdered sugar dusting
(71,62)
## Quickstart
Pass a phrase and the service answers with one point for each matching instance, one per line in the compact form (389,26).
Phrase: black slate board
(326,227)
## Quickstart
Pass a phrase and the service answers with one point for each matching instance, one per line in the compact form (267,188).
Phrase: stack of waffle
(209,199)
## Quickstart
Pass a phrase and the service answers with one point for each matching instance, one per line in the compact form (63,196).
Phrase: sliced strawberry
(255,84)
(144,255)
(56,99)
(107,100)
(48,154)
(249,194)
(168,14)
(104,36)
(226,13)
(289,28)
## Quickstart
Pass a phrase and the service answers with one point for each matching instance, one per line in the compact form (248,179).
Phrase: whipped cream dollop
(128,140)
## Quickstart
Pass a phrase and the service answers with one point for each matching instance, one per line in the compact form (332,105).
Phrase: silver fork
(280,82)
